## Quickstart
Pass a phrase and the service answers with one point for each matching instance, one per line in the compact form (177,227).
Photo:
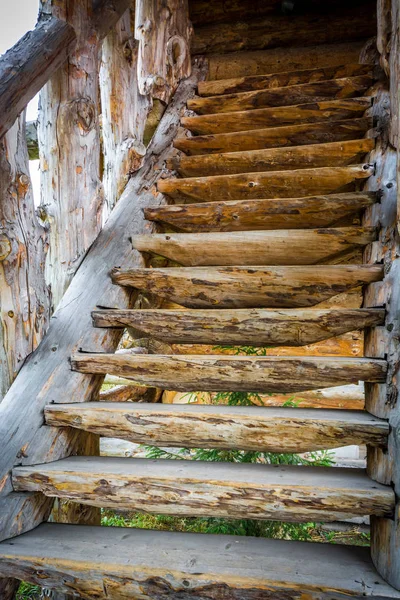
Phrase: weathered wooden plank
(188,373)
(270,184)
(275,247)
(240,287)
(244,568)
(195,488)
(273,213)
(276,80)
(276,137)
(241,427)
(345,397)
(279,30)
(346,87)
(201,11)
(332,154)
(270,327)
(310,112)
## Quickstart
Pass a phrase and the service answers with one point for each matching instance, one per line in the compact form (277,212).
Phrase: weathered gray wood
(186,373)
(276,137)
(46,375)
(275,247)
(240,427)
(240,287)
(196,488)
(273,213)
(270,327)
(270,184)
(245,120)
(87,560)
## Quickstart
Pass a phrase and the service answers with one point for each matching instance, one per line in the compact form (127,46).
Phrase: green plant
(27,591)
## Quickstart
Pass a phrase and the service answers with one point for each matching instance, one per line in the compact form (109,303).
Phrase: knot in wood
(5,247)
(85,114)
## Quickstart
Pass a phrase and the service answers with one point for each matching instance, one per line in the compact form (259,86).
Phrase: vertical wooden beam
(164,32)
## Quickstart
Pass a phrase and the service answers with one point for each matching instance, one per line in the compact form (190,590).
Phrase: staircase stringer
(46,377)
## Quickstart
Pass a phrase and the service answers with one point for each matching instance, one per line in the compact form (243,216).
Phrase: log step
(332,154)
(276,137)
(191,564)
(273,213)
(249,287)
(249,428)
(277,80)
(277,247)
(311,112)
(272,184)
(204,489)
(288,327)
(267,374)
(346,87)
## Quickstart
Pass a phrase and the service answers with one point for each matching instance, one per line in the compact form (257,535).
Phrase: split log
(242,287)
(247,428)
(130,393)
(346,87)
(346,397)
(289,135)
(312,112)
(272,184)
(186,373)
(204,489)
(296,157)
(269,327)
(276,247)
(273,213)
(276,80)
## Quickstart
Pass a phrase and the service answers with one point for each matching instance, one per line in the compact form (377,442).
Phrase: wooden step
(214,373)
(245,287)
(276,137)
(271,184)
(275,247)
(210,489)
(273,213)
(245,120)
(249,428)
(125,562)
(277,80)
(346,87)
(333,154)
(288,327)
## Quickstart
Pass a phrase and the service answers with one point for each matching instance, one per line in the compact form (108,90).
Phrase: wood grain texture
(251,83)
(275,247)
(296,157)
(242,427)
(196,488)
(188,373)
(273,213)
(346,87)
(270,327)
(270,184)
(89,560)
(241,287)
(276,137)
(311,112)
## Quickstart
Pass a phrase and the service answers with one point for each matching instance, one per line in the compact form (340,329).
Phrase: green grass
(27,591)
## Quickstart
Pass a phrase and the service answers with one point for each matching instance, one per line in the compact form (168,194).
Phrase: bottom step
(116,563)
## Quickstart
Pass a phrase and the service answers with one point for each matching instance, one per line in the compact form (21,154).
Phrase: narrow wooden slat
(296,157)
(276,137)
(241,287)
(270,327)
(270,184)
(195,488)
(310,112)
(188,373)
(275,247)
(88,560)
(277,80)
(249,428)
(346,87)
(274,213)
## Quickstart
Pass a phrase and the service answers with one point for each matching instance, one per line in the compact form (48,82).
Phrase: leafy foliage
(27,591)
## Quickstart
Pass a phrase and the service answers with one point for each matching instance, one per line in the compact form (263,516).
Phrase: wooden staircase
(264,224)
